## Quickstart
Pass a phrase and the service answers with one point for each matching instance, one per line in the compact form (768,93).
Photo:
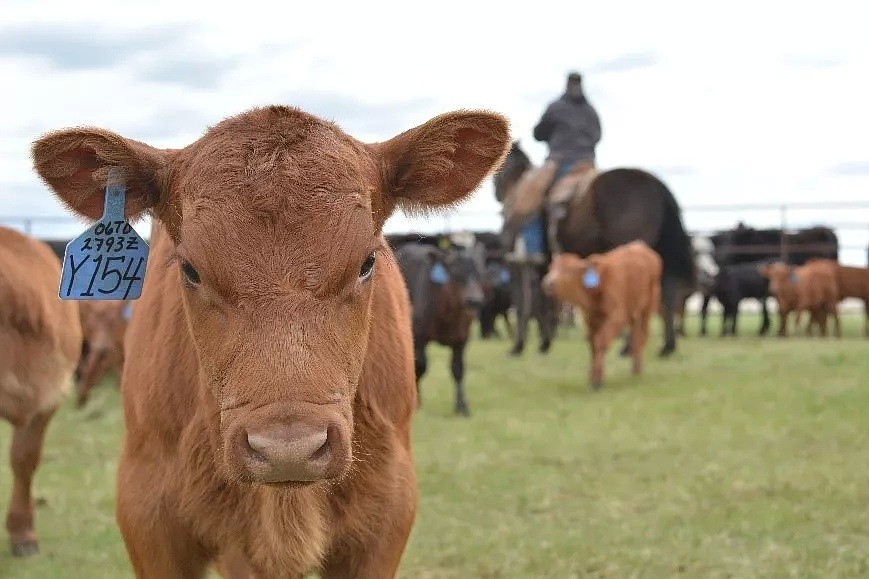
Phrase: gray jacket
(571,128)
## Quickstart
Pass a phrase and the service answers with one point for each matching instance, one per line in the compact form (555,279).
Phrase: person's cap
(574,77)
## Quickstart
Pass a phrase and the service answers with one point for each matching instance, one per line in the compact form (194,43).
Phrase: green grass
(738,457)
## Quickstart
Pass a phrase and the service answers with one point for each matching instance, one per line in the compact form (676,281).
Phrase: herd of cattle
(276,350)
(799,270)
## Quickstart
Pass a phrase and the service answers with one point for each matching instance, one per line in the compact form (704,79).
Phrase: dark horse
(445,293)
(620,205)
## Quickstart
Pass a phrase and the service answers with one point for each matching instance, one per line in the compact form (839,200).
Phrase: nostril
(324,450)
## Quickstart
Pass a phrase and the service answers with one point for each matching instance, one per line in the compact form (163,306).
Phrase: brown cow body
(103,325)
(854,283)
(40,343)
(269,384)
(627,295)
(811,288)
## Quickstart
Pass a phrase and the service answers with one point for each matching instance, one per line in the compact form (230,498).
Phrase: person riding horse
(570,126)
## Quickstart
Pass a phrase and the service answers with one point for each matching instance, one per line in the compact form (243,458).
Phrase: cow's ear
(442,161)
(764,270)
(75,163)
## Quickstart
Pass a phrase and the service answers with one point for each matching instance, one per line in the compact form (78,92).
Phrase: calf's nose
(295,453)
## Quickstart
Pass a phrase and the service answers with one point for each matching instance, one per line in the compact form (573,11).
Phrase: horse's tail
(674,245)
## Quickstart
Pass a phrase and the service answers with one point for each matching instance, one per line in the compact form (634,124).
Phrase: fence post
(784,239)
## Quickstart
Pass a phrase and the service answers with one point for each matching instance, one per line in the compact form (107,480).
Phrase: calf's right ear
(764,270)
(442,161)
(75,164)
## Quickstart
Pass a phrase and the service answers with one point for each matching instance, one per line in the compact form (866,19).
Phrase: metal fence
(849,219)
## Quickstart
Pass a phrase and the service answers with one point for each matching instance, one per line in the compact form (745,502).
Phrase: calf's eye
(367,267)
(190,274)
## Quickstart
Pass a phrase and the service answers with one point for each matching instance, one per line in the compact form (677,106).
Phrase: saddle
(526,198)
(573,185)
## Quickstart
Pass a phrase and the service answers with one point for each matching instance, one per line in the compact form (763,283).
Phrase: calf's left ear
(75,164)
(442,161)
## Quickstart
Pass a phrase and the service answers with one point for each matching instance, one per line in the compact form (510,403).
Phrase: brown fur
(40,341)
(103,327)
(277,211)
(816,291)
(628,295)
(854,283)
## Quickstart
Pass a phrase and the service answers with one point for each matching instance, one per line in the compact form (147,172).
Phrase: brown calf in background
(811,288)
(854,283)
(103,325)
(40,344)
(615,289)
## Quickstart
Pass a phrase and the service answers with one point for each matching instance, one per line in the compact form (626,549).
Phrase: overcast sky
(754,102)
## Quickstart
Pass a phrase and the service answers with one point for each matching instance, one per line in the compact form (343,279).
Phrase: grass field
(739,457)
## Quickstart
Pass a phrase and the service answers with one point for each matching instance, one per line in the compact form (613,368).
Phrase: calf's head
(275,221)
(463,273)
(782,279)
(572,279)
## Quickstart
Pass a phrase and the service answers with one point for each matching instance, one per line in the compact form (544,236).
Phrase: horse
(618,206)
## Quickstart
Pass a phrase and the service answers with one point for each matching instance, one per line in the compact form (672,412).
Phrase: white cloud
(749,102)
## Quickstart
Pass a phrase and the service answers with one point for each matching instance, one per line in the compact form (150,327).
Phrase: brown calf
(103,325)
(616,289)
(854,283)
(811,288)
(269,384)
(40,343)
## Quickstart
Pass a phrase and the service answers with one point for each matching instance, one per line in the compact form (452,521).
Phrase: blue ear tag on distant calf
(108,261)
(439,274)
(793,278)
(127,312)
(504,277)
(590,279)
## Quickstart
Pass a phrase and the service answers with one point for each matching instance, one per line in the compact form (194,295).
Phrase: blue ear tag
(128,311)
(108,261)
(439,274)
(793,278)
(590,279)
(504,277)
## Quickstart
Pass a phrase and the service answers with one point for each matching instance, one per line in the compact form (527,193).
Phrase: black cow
(496,299)
(748,245)
(445,292)
(733,284)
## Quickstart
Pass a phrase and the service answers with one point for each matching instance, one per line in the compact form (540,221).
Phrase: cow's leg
(626,344)
(234,565)
(783,322)
(680,324)
(420,364)
(457,365)
(509,324)
(704,313)
(522,299)
(764,325)
(818,318)
(600,342)
(639,335)
(547,320)
(97,365)
(158,545)
(669,295)
(837,323)
(24,455)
